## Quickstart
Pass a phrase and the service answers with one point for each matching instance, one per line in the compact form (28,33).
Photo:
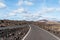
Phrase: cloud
(57,9)
(26,2)
(27,15)
(14,12)
(2,5)
(46,10)
(20,2)
(37,15)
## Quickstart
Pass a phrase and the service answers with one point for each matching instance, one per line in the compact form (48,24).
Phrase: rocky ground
(12,34)
(51,26)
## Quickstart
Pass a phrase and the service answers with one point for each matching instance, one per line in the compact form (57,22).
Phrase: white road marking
(27,33)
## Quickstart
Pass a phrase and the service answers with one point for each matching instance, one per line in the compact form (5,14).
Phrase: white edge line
(51,34)
(27,33)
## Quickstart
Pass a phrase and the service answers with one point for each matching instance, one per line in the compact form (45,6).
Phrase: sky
(31,10)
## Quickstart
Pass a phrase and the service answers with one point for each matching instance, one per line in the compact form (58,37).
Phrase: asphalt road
(38,34)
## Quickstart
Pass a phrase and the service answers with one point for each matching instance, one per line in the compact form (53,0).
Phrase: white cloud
(33,16)
(20,10)
(26,2)
(57,9)
(2,5)
(20,2)
(42,11)
(30,16)
(45,10)
(14,12)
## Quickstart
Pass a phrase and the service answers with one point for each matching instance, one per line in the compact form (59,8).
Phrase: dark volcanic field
(51,26)
(15,33)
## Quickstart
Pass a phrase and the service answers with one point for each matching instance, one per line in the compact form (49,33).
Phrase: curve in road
(38,34)
(27,33)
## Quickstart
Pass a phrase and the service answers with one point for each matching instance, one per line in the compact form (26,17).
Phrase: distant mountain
(43,20)
(49,21)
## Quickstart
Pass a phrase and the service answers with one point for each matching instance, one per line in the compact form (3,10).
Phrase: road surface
(38,34)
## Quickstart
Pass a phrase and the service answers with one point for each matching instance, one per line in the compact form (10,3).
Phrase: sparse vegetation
(13,34)
(53,27)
